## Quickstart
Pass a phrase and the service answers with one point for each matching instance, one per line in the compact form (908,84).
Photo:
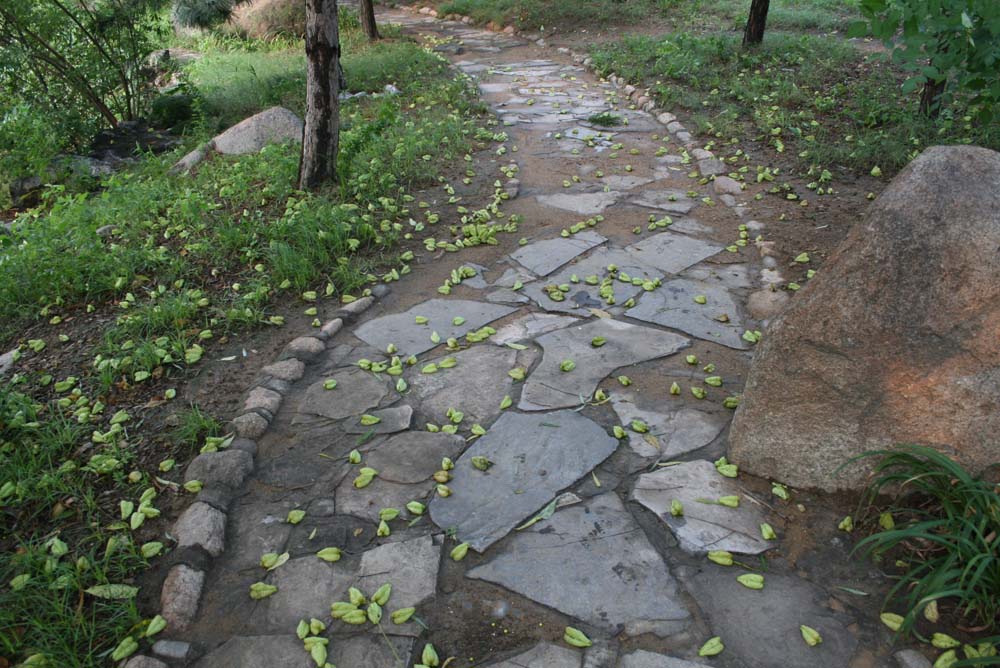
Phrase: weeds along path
(525,437)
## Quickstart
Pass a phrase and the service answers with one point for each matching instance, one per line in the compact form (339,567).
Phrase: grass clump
(605,119)
(943,530)
(815,99)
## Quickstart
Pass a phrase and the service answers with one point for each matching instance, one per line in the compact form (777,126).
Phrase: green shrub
(28,143)
(944,532)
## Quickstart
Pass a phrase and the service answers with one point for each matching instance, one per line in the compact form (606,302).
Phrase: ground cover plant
(942,532)
(180,263)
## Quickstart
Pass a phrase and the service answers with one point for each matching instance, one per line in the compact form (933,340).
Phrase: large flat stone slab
(544,655)
(672,253)
(357,391)
(411,338)
(277,651)
(405,463)
(534,458)
(544,257)
(550,387)
(308,585)
(371,651)
(475,386)
(529,326)
(582,296)
(584,204)
(671,432)
(643,659)
(670,201)
(760,628)
(673,305)
(704,526)
(593,562)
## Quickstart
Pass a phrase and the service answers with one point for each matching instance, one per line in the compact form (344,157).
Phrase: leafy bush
(944,529)
(935,40)
(28,143)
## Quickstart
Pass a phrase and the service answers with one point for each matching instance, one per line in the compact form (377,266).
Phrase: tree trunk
(754,31)
(930,97)
(368,19)
(322,125)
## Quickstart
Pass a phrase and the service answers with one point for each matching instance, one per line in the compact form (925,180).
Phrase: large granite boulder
(276,125)
(896,340)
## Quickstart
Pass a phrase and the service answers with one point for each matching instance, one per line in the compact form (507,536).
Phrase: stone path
(623,309)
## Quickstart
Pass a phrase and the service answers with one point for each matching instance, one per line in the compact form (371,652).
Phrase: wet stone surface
(674,306)
(593,562)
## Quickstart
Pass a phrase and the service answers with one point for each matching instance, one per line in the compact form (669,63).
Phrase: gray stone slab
(544,257)
(529,326)
(591,561)
(690,226)
(582,297)
(550,387)
(671,432)
(308,585)
(625,182)
(357,391)
(475,386)
(505,296)
(760,628)
(371,651)
(535,457)
(411,338)
(391,420)
(406,463)
(643,659)
(277,651)
(732,276)
(584,204)
(704,526)
(671,252)
(670,201)
(673,306)
(544,655)
(256,529)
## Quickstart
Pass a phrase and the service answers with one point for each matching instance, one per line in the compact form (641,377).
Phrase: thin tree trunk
(322,125)
(754,31)
(368,20)
(930,97)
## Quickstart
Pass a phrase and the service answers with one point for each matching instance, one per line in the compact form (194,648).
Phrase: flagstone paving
(504,507)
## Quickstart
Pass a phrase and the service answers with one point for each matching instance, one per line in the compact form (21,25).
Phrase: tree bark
(754,31)
(322,124)
(368,20)
(930,97)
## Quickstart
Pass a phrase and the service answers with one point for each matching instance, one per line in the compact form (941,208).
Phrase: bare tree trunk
(930,97)
(322,127)
(368,20)
(754,31)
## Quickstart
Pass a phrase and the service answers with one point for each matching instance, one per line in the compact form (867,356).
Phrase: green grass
(191,259)
(945,539)
(810,97)
(819,15)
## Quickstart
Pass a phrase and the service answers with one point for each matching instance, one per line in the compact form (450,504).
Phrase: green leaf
(113,591)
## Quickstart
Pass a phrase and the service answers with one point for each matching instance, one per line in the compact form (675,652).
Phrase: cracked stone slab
(357,391)
(391,420)
(278,651)
(534,458)
(581,296)
(671,433)
(584,204)
(413,339)
(671,252)
(593,562)
(673,305)
(704,526)
(544,655)
(529,326)
(550,387)
(626,182)
(475,386)
(405,463)
(671,201)
(371,651)
(544,257)
(732,276)
(308,585)
(643,659)
(760,628)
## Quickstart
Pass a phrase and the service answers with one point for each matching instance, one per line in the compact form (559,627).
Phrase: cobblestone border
(200,531)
